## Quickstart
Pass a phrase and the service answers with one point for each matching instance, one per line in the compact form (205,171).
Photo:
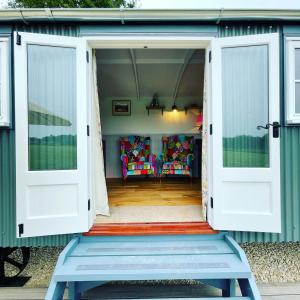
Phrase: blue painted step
(213,259)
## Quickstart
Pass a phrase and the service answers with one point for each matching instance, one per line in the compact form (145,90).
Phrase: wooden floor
(168,192)
(147,200)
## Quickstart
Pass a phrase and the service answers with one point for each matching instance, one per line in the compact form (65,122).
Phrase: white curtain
(99,190)
(204,175)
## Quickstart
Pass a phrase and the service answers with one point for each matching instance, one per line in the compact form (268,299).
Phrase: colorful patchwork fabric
(136,156)
(177,155)
(139,172)
(177,147)
(139,166)
(175,165)
(137,148)
(176,172)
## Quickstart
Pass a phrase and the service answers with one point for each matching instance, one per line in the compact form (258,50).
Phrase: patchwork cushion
(176,172)
(139,166)
(137,148)
(175,165)
(139,172)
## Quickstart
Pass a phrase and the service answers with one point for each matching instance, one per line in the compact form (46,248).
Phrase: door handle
(275,126)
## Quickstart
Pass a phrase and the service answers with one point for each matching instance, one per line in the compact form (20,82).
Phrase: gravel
(274,262)
(270,263)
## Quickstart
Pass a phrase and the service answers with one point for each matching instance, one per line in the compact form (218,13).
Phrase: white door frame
(159,41)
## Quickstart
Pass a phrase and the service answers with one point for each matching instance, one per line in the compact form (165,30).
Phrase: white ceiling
(139,73)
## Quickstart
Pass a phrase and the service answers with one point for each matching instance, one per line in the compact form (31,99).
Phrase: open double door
(52,112)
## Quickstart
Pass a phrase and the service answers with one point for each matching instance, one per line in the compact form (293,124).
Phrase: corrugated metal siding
(290,158)
(7,167)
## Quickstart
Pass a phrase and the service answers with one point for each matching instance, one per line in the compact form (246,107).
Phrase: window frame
(4,83)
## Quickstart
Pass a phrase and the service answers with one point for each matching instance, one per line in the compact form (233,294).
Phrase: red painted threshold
(159,228)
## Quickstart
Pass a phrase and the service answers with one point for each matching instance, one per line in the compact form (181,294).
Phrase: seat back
(177,147)
(137,148)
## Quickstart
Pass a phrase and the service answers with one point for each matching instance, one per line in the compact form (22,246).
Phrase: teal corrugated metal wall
(7,168)
(290,161)
(290,158)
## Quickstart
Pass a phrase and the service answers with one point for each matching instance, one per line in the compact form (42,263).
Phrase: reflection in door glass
(245,106)
(52,108)
(297,81)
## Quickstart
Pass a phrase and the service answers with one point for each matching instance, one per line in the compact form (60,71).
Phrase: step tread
(152,248)
(153,267)
(155,228)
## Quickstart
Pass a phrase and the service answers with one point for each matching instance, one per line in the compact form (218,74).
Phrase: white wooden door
(245,194)
(51,134)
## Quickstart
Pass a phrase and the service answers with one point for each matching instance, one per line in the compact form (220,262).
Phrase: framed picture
(121,107)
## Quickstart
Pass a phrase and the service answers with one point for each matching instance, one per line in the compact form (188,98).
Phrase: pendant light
(174,107)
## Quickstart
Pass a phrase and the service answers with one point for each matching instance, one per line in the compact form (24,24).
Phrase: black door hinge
(211,202)
(209,56)
(21,229)
(87,56)
(88,130)
(18,40)
(210,129)
(89,204)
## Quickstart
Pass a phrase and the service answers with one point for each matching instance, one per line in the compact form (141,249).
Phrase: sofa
(136,156)
(177,157)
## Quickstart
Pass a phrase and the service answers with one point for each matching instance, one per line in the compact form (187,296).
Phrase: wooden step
(152,258)
(165,228)
(214,259)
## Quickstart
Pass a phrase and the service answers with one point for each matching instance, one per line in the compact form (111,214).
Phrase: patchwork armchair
(177,155)
(136,156)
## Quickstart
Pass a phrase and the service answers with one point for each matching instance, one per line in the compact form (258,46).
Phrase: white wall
(140,123)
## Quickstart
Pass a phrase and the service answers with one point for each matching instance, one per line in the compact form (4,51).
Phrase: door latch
(275,126)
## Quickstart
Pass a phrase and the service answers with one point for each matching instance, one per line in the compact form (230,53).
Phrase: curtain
(99,190)
(204,174)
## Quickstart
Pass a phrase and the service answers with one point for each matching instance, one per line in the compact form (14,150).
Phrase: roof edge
(131,14)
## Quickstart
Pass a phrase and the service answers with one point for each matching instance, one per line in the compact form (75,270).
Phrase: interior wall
(139,122)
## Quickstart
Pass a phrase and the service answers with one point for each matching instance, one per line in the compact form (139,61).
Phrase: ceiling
(139,73)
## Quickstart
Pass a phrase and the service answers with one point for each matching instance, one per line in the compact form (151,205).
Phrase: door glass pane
(297,84)
(52,108)
(245,106)
(297,64)
(297,97)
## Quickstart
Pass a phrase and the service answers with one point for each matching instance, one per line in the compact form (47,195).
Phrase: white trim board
(142,41)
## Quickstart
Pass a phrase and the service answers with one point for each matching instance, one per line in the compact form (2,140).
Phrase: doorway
(151,101)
